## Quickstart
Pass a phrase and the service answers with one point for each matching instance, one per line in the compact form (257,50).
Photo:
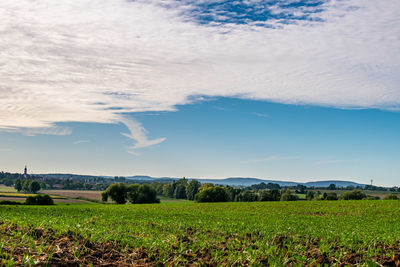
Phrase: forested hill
(233,181)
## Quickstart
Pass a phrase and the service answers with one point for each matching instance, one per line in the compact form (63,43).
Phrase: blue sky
(227,137)
(289,90)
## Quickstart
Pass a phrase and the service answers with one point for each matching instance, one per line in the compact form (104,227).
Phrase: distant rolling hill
(232,181)
(248,181)
(252,181)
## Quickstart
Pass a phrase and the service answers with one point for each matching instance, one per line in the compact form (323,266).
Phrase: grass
(24,195)
(273,233)
(4,188)
(174,200)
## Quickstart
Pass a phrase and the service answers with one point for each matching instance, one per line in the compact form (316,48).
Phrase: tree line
(135,194)
(207,192)
(27,186)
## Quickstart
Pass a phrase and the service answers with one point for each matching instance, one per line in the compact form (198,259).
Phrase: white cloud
(93,60)
(139,135)
(77,142)
(260,114)
(53,130)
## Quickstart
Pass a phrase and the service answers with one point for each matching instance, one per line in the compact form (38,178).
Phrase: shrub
(146,194)
(372,198)
(391,197)
(310,195)
(212,194)
(353,195)
(330,196)
(117,192)
(135,194)
(247,196)
(9,202)
(270,195)
(289,196)
(39,200)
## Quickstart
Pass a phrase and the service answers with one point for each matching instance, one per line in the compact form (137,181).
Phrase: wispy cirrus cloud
(262,115)
(77,142)
(96,60)
(50,130)
(139,135)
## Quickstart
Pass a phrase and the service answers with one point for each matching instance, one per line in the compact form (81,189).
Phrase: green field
(4,188)
(258,233)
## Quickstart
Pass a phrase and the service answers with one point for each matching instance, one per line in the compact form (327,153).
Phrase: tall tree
(34,187)
(18,185)
(192,189)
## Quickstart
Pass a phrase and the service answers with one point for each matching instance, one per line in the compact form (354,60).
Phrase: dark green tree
(329,196)
(192,189)
(391,197)
(270,195)
(180,191)
(247,196)
(133,192)
(310,195)
(18,185)
(34,187)
(332,187)
(353,195)
(289,196)
(39,200)
(212,194)
(301,189)
(26,185)
(146,194)
(233,193)
(168,190)
(117,192)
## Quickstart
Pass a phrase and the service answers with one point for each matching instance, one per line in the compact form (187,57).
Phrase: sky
(296,90)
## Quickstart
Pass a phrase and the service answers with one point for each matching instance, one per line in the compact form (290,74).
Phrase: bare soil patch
(94,195)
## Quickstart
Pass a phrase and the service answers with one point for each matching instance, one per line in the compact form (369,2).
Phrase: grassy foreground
(263,233)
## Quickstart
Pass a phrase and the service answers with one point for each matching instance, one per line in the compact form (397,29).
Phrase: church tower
(25,172)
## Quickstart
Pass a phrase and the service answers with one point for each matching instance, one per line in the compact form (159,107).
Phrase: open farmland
(260,233)
(85,194)
(4,188)
(6,193)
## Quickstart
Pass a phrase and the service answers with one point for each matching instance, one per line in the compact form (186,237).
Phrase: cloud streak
(139,135)
(80,142)
(96,60)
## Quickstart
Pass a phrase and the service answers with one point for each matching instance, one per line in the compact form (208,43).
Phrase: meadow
(217,234)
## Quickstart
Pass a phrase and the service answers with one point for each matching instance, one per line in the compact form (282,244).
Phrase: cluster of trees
(391,197)
(263,185)
(135,194)
(349,195)
(8,179)
(27,186)
(39,200)
(180,189)
(31,200)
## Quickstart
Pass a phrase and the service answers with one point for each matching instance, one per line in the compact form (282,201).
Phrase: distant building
(25,172)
